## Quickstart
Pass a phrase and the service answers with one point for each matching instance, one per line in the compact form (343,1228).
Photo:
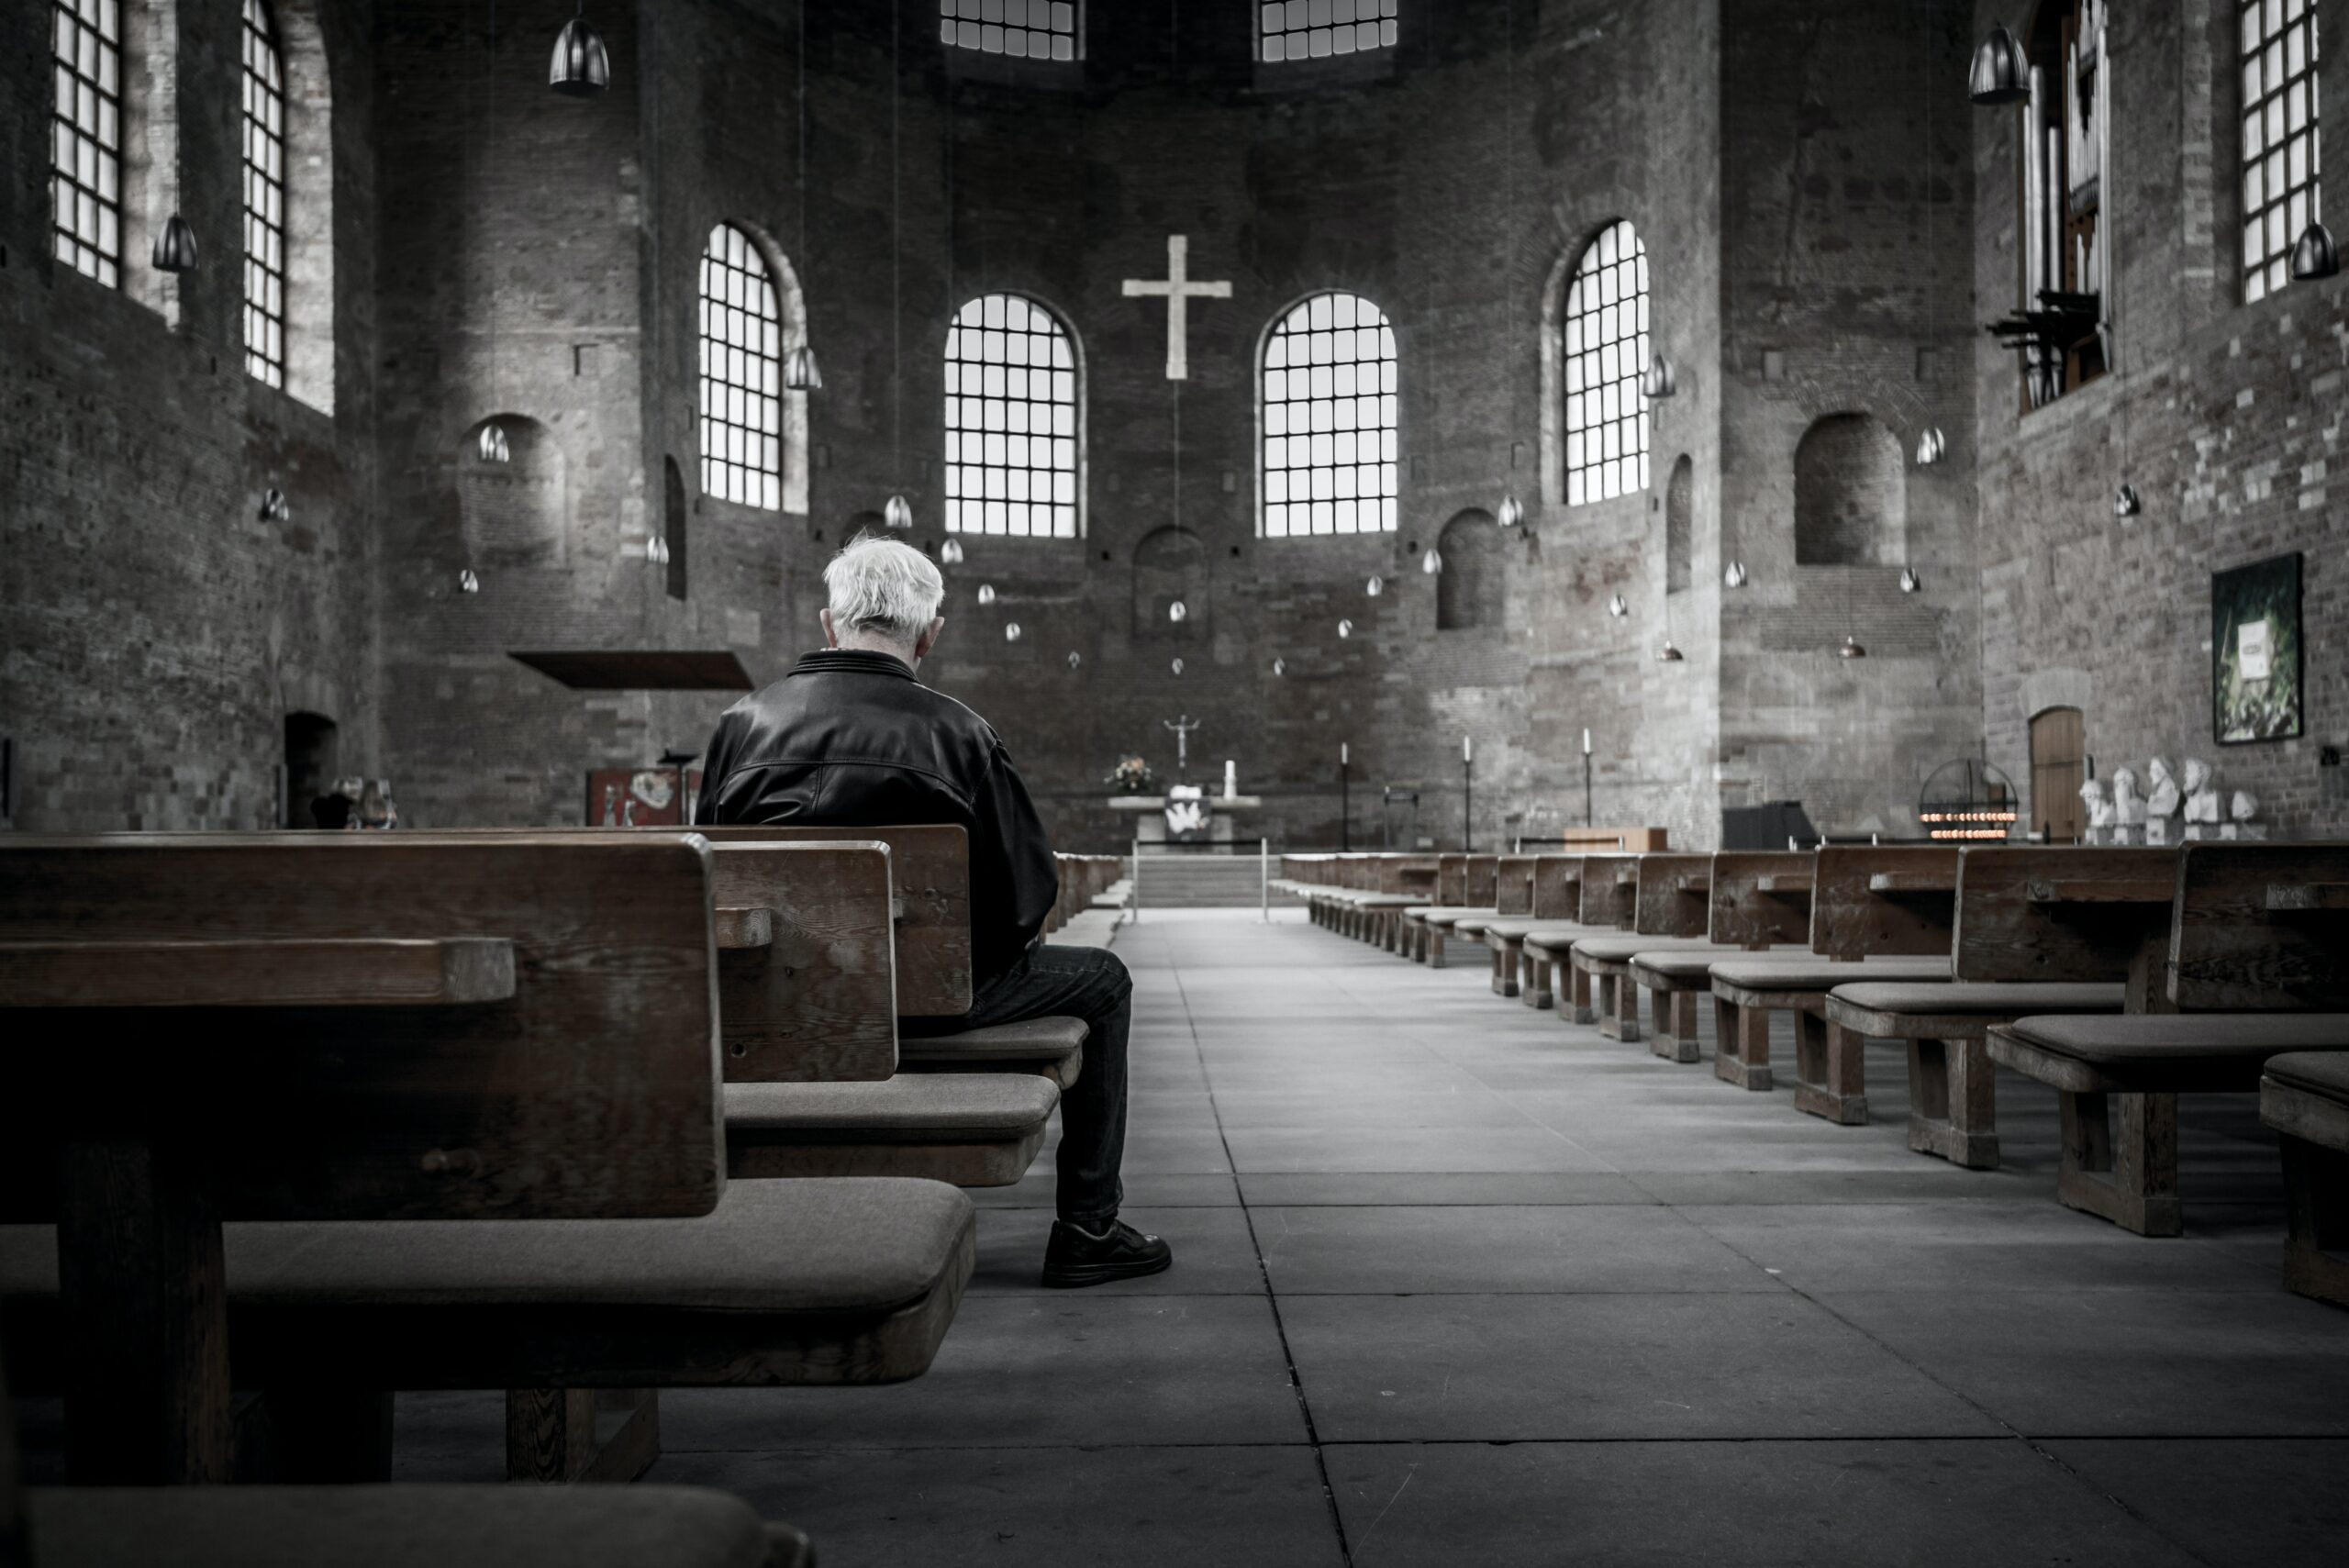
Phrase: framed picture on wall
(2255,651)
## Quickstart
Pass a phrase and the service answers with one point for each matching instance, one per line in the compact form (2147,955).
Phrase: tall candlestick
(1345,754)
(1585,742)
(1467,749)
(1231,779)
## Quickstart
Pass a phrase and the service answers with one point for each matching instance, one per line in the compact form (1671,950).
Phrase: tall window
(85,137)
(264,197)
(1330,385)
(1031,29)
(2279,137)
(1311,30)
(1606,354)
(741,374)
(1011,421)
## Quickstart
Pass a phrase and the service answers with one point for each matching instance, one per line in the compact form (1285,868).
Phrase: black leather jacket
(850,739)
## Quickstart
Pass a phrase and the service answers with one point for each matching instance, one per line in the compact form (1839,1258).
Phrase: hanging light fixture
(1668,654)
(1733,575)
(656,550)
(1931,447)
(1910,581)
(1376,586)
(581,68)
(1850,649)
(800,372)
(1179,612)
(1011,631)
(175,246)
(1432,561)
(1618,607)
(1661,380)
(493,445)
(274,507)
(1178,666)
(987,594)
(1512,511)
(950,552)
(1345,629)
(1074,658)
(466,582)
(2126,502)
(2001,72)
(1280,668)
(2314,256)
(899,513)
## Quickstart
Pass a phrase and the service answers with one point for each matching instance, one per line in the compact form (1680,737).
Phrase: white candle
(1345,754)
(1231,779)
(1467,749)
(1585,742)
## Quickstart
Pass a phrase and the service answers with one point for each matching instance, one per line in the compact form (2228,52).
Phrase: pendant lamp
(1074,658)
(1376,586)
(2126,502)
(1910,581)
(2314,257)
(800,372)
(1179,612)
(1618,607)
(1280,667)
(950,552)
(1931,447)
(1178,666)
(580,68)
(274,507)
(899,513)
(1661,380)
(1432,563)
(493,445)
(467,582)
(1733,575)
(175,247)
(1011,631)
(1345,629)
(1512,511)
(2001,72)
(987,594)
(1668,654)
(1850,649)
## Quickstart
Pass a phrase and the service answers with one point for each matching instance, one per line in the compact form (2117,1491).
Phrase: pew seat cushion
(2324,1072)
(2160,1052)
(2305,1095)
(2015,1000)
(1031,1040)
(1693,967)
(1513,928)
(1555,938)
(402,1527)
(1474,926)
(786,1282)
(913,1109)
(1618,948)
(1806,973)
(1448,918)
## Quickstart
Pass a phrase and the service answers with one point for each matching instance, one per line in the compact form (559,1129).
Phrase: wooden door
(2058,768)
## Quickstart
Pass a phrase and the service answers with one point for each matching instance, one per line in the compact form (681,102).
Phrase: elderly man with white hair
(849,739)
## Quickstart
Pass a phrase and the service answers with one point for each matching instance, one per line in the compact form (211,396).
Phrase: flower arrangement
(1133,777)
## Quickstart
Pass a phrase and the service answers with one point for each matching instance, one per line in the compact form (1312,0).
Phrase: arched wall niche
(1851,494)
(1171,565)
(1472,591)
(1679,525)
(514,514)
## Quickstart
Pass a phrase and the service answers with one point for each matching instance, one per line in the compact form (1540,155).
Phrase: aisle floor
(1458,1283)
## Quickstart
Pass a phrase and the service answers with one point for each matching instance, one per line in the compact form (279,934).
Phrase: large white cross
(1179,290)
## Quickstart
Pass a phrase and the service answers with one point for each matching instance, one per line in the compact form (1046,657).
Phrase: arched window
(1310,30)
(2279,137)
(85,137)
(265,148)
(1606,355)
(741,374)
(1330,392)
(1851,494)
(1014,422)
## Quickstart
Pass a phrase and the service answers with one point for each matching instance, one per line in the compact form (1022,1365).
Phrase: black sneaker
(1076,1257)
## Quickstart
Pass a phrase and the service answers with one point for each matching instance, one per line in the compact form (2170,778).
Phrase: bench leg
(2120,1161)
(1742,1044)
(2316,1238)
(1532,977)
(1831,1071)
(1618,1016)
(563,1435)
(1953,1102)
(1504,968)
(1674,1038)
(1434,940)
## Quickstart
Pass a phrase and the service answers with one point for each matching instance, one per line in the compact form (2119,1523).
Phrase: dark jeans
(1076,983)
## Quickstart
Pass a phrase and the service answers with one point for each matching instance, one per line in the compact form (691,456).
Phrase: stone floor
(1459,1284)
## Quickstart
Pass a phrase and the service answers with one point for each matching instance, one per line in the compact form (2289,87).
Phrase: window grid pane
(85,136)
(1331,388)
(1025,30)
(1012,418)
(2280,149)
(1606,357)
(1314,29)
(741,374)
(264,155)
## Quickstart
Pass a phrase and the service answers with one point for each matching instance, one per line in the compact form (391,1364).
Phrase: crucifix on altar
(1178,291)
(1187,813)
(1182,726)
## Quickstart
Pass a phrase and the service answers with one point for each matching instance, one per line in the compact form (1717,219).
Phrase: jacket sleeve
(1009,843)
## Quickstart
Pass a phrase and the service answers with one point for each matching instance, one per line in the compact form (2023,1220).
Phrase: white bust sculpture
(2201,799)
(2162,800)
(2245,805)
(2128,811)
(2100,808)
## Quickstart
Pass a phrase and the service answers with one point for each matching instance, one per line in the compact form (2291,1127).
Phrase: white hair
(882,586)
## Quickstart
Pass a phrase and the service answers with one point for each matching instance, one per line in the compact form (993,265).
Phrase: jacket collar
(853,660)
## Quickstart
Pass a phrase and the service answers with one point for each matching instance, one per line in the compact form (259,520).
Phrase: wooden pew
(570,1090)
(1470,879)
(1608,898)
(1671,895)
(1755,901)
(1512,899)
(2257,965)
(2304,1096)
(1890,908)
(1556,901)
(2037,931)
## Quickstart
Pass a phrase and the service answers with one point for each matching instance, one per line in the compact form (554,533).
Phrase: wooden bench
(1556,901)
(1670,897)
(1756,901)
(1609,896)
(379,1042)
(1469,880)
(1875,914)
(1512,900)
(2257,965)
(2304,1096)
(2037,931)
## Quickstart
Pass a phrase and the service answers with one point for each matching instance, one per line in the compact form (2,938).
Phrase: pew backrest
(1611,886)
(1557,887)
(1897,901)
(1762,898)
(1477,876)
(2028,914)
(1406,873)
(1513,885)
(807,967)
(586,1085)
(1452,881)
(1673,895)
(2260,928)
